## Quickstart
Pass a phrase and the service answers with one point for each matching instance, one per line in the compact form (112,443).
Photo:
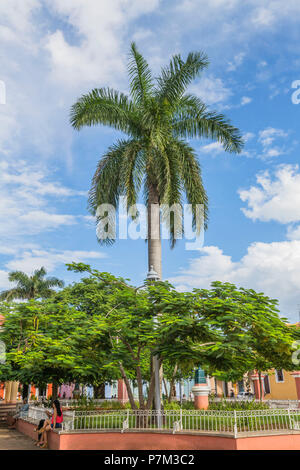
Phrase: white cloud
(4,282)
(214,148)
(28,258)
(272,268)
(263,17)
(245,100)
(274,198)
(267,136)
(248,136)
(293,233)
(16,20)
(33,259)
(247,16)
(236,62)
(96,55)
(25,207)
(211,90)
(54,51)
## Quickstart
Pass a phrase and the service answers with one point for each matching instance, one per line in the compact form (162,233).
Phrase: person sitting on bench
(21,413)
(55,423)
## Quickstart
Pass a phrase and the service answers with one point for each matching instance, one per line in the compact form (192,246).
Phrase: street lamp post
(152,276)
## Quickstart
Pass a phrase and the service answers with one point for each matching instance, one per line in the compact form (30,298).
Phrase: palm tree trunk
(154,237)
(154,248)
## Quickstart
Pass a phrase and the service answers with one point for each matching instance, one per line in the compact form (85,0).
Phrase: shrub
(175,405)
(172,406)
(238,405)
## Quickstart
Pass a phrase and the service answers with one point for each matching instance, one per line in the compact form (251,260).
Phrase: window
(267,384)
(279,375)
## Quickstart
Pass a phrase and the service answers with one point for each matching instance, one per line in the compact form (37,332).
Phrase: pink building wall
(161,441)
(66,391)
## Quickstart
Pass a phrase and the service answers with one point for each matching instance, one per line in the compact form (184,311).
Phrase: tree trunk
(166,388)
(172,386)
(151,391)
(260,386)
(25,390)
(54,390)
(140,387)
(154,237)
(99,391)
(128,387)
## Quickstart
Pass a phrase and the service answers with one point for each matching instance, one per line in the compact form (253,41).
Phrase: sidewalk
(10,439)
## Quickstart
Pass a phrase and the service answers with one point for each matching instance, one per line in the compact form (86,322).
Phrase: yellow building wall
(283,390)
(220,387)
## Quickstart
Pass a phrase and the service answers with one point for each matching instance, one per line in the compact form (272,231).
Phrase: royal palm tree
(30,287)
(157,116)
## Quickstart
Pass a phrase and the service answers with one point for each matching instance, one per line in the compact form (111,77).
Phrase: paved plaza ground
(10,439)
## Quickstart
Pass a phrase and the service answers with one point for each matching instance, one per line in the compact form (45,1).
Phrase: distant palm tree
(31,287)
(157,118)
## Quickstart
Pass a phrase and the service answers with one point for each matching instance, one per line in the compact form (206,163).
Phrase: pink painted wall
(28,429)
(280,442)
(143,441)
(160,441)
(67,390)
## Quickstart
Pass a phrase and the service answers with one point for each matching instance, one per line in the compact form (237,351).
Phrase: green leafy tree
(157,117)
(226,329)
(103,326)
(51,342)
(239,330)
(31,287)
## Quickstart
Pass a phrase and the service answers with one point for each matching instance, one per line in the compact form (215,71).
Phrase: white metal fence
(36,413)
(233,423)
(230,423)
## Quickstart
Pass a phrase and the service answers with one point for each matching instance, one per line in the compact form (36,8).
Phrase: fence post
(180,419)
(235,424)
(290,421)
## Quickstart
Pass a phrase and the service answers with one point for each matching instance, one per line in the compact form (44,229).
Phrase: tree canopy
(103,328)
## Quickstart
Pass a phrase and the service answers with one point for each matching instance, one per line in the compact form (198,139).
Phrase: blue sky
(53,51)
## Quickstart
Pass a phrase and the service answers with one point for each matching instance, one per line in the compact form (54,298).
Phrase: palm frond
(172,213)
(53,282)
(39,273)
(107,181)
(192,119)
(115,177)
(192,181)
(107,107)
(140,76)
(133,167)
(19,276)
(175,78)
(16,293)
(30,287)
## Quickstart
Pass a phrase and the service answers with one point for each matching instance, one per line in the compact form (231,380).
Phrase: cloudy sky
(52,51)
